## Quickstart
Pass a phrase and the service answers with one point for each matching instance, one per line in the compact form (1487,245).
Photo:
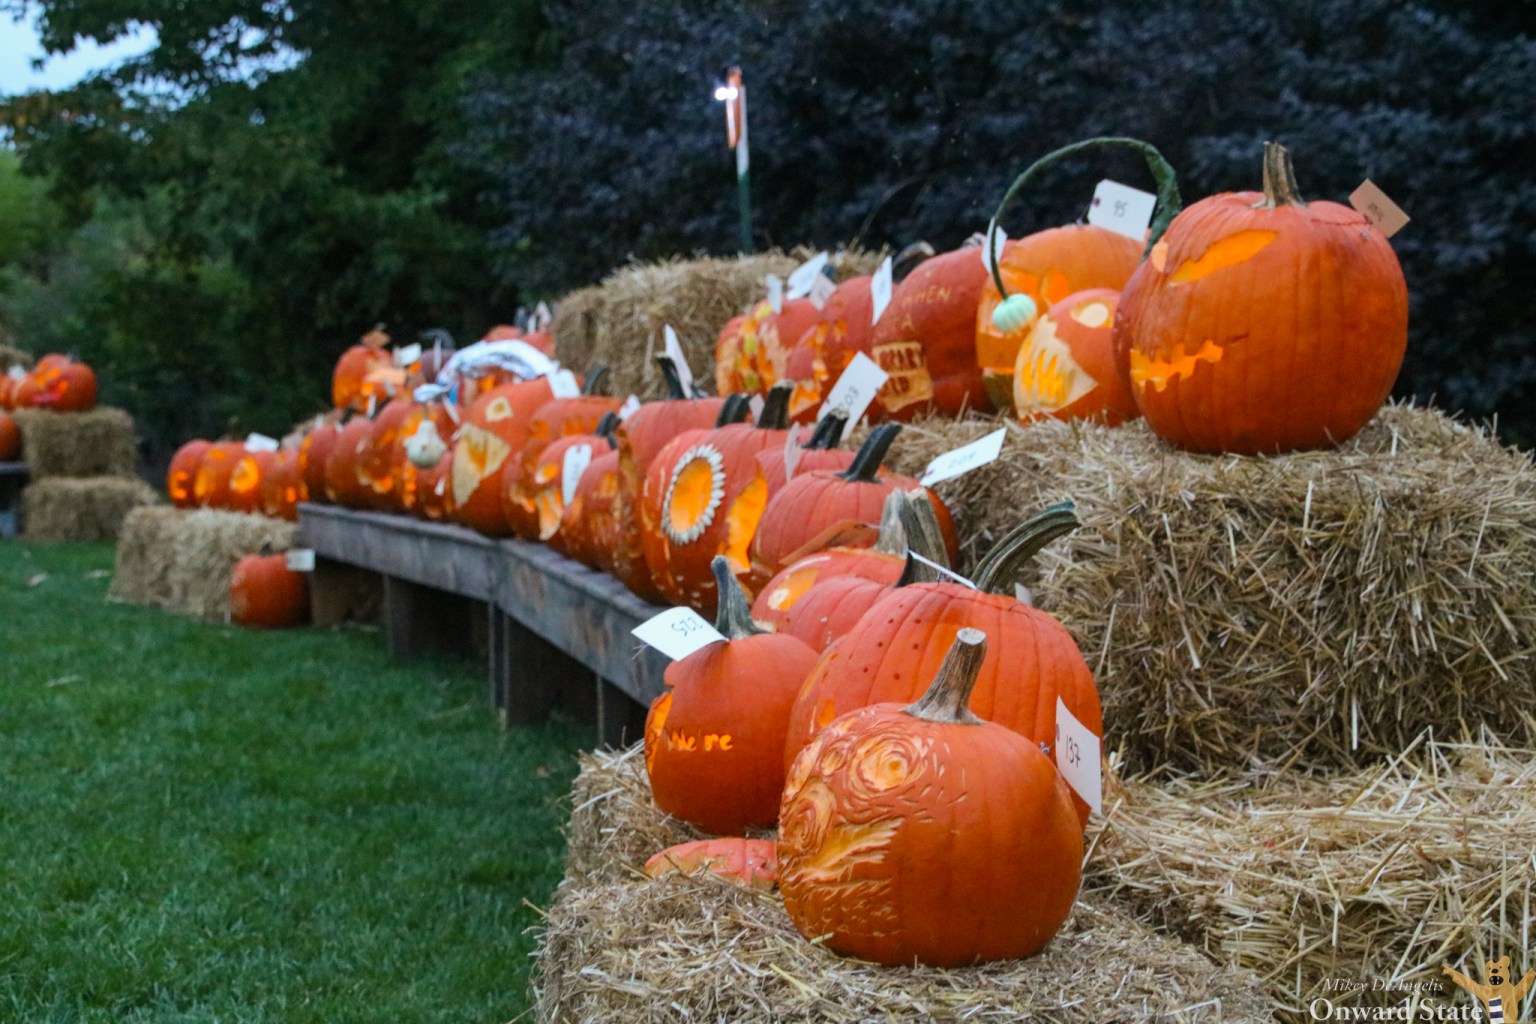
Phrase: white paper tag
(756,403)
(407,355)
(301,560)
(1375,207)
(804,276)
(992,246)
(373,405)
(260,443)
(673,349)
(965,458)
(677,632)
(16,373)
(1077,757)
(880,289)
(854,390)
(541,317)
(628,409)
(1121,209)
(1022,595)
(577,459)
(562,384)
(775,293)
(792,450)
(942,571)
(821,290)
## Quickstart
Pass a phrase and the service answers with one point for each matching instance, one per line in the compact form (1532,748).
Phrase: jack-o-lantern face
(60,384)
(183,472)
(1261,323)
(694,494)
(1066,366)
(210,485)
(494,430)
(245,481)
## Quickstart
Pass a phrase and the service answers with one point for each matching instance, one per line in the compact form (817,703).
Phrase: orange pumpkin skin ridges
(926,340)
(899,643)
(1256,329)
(1048,266)
(263,592)
(794,583)
(901,840)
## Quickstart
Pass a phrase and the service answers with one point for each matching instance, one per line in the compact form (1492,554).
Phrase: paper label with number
(804,276)
(1119,208)
(562,384)
(577,459)
(1375,207)
(541,317)
(775,293)
(677,632)
(854,390)
(821,291)
(1077,758)
(407,355)
(260,443)
(673,350)
(16,373)
(965,458)
(880,289)
(755,404)
(629,408)
(301,560)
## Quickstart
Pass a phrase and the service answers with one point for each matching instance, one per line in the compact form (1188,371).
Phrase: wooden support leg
(541,678)
(419,620)
(620,718)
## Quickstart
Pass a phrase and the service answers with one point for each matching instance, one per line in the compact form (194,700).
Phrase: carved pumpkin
(10,438)
(1262,323)
(359,376)
(282,488)
(210,484)
(382,463)
(494,430)
(753,863)
(314,452)
(57,383)
(926,340)
(344,481)
(820,451)
(844,329)
(588,525)
(546,481)
(709,505)
(641,437)
(243,492)
(1031,660)
(427,492)
(752,350)
(714,741)
(264,592)
(1066,367)
(183,472)
(556,419)
(923,833)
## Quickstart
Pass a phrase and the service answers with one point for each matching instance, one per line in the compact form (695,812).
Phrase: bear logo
(1500,996)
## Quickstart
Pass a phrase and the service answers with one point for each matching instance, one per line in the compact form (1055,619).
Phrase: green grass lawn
(202,823)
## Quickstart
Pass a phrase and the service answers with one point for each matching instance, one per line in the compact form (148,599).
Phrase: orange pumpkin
(494,430)
(546,483)
(923,833)
(10,438)
(58,383)
(752,350)
(314,452)
(1262,323)
(714,740)
(244,490)
(753,863)
(425,492)
(183,472)
(1066,367)
(264,592)
(282,487)
(344,481)
(588,525)
(360,375)
(210,484)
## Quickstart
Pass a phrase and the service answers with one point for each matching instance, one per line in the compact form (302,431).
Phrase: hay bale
(1375,876)
(101,442)
(207,546)
(1318,609)
(146,549)
(622,948)
(90,508)
(11,356)
(620,322)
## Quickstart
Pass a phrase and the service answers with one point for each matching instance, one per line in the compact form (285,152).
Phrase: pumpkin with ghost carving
(1263,323)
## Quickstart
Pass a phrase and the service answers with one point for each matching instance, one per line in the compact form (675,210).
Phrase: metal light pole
(733,94)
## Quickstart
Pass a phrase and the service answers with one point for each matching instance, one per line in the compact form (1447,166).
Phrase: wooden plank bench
(556,634)
(13,477)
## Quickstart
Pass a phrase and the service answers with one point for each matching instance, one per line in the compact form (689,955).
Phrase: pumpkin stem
(1279,178)
(906,261)
(828,433)
(607,426)
(920,525)
(866,464)
(674,380)
(948,698)
(594,378)
(998,571)
(892,538)
(1168,200)
(733,410)
(775,414)
(733,616)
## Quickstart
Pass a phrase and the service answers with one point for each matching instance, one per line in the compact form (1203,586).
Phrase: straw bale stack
(620,321)
(100,442)
(619,947)
(1375,877)
(182,560)
(1318,609)
(81,509)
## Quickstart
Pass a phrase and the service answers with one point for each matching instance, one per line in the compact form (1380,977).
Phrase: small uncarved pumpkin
(924,834)
(264,592)
(753,863)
